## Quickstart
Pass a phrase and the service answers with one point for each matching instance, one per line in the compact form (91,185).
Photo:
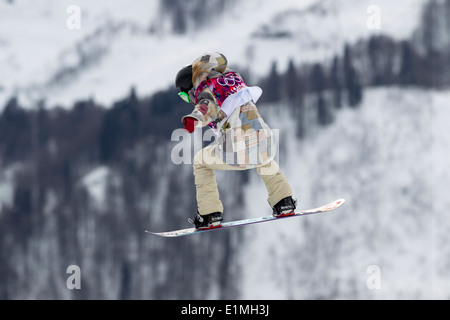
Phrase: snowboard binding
(206,222)
(285,208)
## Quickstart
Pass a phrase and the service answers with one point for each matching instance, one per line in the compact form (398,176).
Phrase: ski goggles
(186,96)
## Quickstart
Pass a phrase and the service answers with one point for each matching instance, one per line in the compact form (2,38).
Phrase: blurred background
(359,91)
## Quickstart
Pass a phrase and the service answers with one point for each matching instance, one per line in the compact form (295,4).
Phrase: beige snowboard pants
(208,201)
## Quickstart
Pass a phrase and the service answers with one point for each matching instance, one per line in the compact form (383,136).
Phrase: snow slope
(114,50)
(321,30)
(389,159)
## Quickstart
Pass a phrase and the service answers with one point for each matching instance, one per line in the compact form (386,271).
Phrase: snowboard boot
(286,207)
(209,221)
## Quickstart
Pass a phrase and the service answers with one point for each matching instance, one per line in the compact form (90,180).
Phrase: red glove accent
(189,124)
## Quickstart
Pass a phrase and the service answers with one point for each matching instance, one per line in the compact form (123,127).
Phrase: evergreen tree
(352,82)
(336,84)
(295,93)
(292,84)
(382,51)
(408,74)
(318,83)
(273,85)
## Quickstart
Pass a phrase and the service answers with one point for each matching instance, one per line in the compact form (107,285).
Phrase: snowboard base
(226,225)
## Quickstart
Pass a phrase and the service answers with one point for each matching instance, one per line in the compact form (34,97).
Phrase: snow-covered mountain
(119,46)
(390,164)
(388,158)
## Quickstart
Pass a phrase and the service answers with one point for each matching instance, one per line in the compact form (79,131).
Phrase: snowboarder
(243,140)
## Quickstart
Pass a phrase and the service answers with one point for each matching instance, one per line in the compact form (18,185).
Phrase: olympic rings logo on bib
(229,81)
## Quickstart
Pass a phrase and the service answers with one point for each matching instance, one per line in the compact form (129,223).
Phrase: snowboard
(226,225)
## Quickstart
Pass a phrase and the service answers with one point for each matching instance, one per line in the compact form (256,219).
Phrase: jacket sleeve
(206,110)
